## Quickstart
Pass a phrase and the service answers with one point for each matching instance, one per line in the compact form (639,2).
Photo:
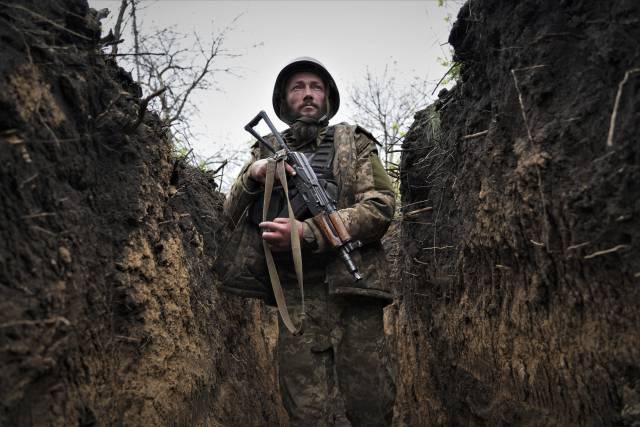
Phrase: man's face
(305,94)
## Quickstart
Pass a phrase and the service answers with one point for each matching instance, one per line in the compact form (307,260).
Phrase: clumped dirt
(520,288)
(108,310)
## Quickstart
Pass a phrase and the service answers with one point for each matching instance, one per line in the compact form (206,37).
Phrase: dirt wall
(108,311)
(521,286)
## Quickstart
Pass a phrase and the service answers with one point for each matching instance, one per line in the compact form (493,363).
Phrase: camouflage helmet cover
(304,63)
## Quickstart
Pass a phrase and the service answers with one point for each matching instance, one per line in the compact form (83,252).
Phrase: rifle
(322,207)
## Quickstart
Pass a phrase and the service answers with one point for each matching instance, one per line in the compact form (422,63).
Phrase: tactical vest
(242,270)
(321,161)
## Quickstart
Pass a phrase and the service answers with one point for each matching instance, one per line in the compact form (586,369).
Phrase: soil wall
(521,287)
(108,312)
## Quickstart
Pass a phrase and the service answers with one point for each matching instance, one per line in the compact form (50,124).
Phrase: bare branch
(612,124)
(136,39)
(117,29)
(143,109)
(215,171)
(386,108)
(213,52)
(476,135)
(139,54)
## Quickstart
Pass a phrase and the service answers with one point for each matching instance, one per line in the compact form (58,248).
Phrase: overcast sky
(347,36)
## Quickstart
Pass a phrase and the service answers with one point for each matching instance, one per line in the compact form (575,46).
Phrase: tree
(170,66)
(386,108)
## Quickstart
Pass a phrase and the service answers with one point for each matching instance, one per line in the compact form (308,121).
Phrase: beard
(307,128)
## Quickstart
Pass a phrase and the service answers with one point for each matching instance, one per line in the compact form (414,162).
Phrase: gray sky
(347,36)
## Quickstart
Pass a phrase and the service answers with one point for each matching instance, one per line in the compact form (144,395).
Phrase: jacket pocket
(371,264)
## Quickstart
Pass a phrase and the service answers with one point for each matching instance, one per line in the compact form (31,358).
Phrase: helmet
(304,63)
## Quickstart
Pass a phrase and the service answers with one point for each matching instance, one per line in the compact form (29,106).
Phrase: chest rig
(321,161)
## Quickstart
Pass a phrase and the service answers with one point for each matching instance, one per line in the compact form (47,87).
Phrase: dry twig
(606,251)
(220,167)
(520,99)
(417,212)
(616,104)
(38,215)
(438,248)
(143,109)
(49,321)
(577,246)
(28,180)
(117,28)
(476,135)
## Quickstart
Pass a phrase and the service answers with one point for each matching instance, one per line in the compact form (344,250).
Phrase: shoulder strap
(360,129)
(274,167)
(322,158)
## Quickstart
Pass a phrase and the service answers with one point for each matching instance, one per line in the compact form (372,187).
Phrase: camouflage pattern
(338,372)
(366,204)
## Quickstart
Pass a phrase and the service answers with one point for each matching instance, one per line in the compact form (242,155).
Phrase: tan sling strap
(276,166)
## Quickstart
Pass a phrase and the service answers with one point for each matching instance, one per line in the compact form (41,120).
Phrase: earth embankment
(521,285)
(108,311)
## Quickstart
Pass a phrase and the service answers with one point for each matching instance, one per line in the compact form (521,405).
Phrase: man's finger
(258,170)
(266,224)
(290,170)
(275,241)
(273,226)
(271,237)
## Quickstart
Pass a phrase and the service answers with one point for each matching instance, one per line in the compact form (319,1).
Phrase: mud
(520,288)
(108,310)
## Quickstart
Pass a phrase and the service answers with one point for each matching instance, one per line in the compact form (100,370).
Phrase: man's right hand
(258,170)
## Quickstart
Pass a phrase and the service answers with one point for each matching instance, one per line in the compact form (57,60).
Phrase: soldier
(337,372)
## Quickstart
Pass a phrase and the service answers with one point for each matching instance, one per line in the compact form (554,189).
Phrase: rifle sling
(277,167)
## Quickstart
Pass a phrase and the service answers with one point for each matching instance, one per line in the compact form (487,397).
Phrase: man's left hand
(277,233)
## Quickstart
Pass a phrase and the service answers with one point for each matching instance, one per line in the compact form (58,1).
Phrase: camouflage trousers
(338,372)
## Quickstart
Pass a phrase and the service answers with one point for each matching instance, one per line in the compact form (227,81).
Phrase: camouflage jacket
(366,203)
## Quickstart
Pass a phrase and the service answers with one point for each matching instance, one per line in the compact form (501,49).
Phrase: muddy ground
(108,310)
(517,267)
(520,294)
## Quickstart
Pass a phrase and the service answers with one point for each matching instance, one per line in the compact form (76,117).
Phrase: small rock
(64,255)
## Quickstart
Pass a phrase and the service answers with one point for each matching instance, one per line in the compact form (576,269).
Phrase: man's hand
(258,170)
(277,233)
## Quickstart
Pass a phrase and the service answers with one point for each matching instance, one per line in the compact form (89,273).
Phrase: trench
(515,253)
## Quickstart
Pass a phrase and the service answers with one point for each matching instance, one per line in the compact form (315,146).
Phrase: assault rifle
(321,206)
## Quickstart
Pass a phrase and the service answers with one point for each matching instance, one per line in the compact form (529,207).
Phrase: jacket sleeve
(243,192)
(369,217)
